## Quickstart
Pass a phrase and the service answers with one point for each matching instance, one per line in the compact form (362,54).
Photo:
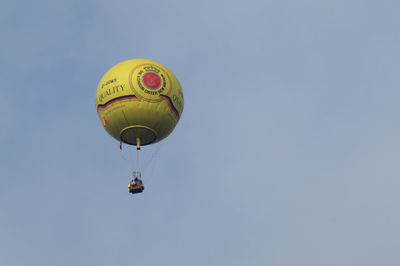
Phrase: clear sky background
(287,152)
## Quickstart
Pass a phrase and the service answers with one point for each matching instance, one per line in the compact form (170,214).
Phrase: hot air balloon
(139,102)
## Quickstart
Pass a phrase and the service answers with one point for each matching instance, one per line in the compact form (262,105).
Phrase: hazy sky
(286,153)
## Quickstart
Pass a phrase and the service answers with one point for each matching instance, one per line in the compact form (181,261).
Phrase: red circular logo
(151,80)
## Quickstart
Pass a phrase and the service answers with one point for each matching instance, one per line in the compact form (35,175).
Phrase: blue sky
(286,153)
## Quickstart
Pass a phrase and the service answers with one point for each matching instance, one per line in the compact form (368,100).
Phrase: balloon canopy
(139,101)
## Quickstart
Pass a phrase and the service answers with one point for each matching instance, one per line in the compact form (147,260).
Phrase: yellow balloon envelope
(139,101)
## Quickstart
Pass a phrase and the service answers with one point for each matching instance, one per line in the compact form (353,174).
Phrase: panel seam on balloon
(123,112)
